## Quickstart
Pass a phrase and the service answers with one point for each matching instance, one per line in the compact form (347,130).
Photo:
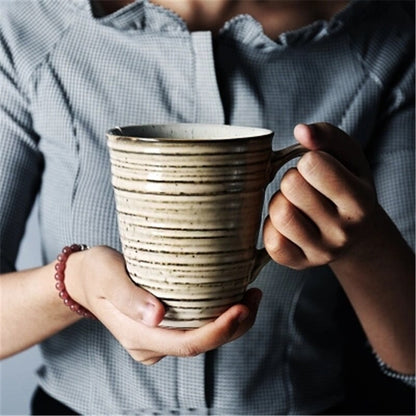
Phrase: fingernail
(312,129)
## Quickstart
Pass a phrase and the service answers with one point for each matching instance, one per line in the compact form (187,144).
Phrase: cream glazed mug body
(189,199)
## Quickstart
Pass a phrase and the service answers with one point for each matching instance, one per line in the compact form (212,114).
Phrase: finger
(152,361)
(328,176)
(293,224)
(331,139)
(230,325)
(317,207)
(148,345)
(281,249)
(123,294)
(146,357)
(251,299)
(137,303)
(142,342)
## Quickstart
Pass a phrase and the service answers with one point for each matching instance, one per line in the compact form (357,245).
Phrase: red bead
(75,307)
(63,294)
(66,250)
(68,301)
(59,276)
(62,257)
(75,247)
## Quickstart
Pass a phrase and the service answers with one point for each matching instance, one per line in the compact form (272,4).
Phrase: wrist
(380,249)
(377,275)
(368,243)
(69,279)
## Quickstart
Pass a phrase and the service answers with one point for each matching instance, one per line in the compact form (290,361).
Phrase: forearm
(378,277)
(31,309)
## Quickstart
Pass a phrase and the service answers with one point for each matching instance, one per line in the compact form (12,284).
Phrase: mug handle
(279,158)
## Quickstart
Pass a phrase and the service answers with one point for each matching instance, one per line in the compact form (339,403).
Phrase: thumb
(137,303)
(330,139)
(123,294)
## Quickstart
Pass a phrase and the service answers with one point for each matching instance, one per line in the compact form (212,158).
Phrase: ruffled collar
(247,30)
(138,15)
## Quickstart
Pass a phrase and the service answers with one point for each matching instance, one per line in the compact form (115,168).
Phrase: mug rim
(241,132)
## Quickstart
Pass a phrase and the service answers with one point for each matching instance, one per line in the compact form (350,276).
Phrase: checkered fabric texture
(66,76)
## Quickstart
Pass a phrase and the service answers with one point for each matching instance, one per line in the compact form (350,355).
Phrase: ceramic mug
(189,199)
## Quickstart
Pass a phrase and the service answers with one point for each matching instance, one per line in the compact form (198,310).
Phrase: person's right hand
(98,280)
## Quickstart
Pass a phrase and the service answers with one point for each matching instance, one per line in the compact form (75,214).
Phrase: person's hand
(98,280)
(326,205)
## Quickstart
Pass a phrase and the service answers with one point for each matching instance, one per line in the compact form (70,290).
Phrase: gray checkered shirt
(67,76)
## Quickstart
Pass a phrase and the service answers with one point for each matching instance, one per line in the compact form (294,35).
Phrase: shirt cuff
(408,379)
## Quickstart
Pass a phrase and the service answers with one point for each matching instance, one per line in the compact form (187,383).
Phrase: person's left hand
(325,206)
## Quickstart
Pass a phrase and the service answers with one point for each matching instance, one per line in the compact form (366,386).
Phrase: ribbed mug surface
(189,200)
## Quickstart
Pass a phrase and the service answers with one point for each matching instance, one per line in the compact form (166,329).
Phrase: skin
(326,213)
(275,16)
(97,279)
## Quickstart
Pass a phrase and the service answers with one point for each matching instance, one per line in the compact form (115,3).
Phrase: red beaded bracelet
(60,277)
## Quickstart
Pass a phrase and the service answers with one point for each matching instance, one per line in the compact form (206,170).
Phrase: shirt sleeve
(20,159)
(392,158)
(392,155)
(408,379)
